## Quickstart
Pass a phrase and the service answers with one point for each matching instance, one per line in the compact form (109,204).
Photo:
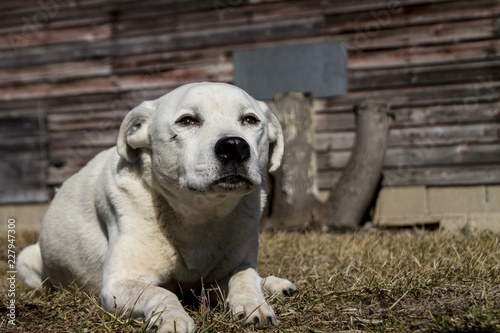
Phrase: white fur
(153,214)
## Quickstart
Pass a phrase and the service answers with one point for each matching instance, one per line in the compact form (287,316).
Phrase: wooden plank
(216,36)
(425,55)
(30,7)
(334,121)
(22,180)
(108,117)
(74,157)
(60,104)
(98,138)
(407,117)
(470,110)
(132,12)
(63,11)
(13,147)
(135,22)
(221,71)
(152,63)
(20,41)
(403,14)
(419,136)
(55,73)
(334,141)
(440,176)
(445,135)
(19,127)
(432,176)
(57,175)
(50,54)
(429,154)
(143,9)
(46,89)
(446,33)
(24,159)
(164,42)
(467,95)
(425,155)
(440,74)
(60,98)
(87,125)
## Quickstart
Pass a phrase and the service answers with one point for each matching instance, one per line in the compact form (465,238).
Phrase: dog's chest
(210,250)
(201,262)
(210,257)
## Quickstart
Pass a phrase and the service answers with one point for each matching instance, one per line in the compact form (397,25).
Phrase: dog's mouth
(229,183)
(232,182)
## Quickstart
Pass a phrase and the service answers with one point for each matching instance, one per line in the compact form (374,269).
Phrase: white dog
(177,203)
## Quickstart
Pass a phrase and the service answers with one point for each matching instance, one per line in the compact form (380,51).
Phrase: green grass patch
(367,281)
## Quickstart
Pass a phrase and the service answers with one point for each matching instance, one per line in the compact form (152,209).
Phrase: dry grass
(371,281)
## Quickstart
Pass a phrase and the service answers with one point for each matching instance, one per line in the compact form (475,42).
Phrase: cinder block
(490,221)
(456,200)
(457,209)
(26,216)
(401,206)
(455,224)
(493,199)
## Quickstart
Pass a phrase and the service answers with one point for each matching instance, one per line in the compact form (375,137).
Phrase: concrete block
(471,222)
(488,221)
(456,209)
(493,199)
(456,200)
(401,206)
(455,224)
(27,216)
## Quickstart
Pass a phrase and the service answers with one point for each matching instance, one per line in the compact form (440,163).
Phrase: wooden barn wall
(81,65)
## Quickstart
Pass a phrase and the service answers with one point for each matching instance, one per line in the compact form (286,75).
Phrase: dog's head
(204,137)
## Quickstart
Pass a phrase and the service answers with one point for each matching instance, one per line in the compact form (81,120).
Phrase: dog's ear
(276,142)
(134,131)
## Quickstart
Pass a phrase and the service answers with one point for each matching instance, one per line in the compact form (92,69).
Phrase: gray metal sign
(318,68)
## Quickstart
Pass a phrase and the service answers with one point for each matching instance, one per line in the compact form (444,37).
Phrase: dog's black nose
(232,148)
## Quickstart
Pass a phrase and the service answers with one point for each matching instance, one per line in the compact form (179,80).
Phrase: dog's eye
(188,121)
(250,120)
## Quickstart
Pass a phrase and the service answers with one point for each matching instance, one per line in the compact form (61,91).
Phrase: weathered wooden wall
(83,64)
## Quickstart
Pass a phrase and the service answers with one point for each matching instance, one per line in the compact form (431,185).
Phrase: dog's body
(176,203)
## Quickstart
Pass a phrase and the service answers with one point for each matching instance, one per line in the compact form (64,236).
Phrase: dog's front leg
(156,305)
(130,285)
(246,300)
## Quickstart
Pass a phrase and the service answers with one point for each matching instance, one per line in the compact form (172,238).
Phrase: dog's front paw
(171,322)
(281,287)
(251,311)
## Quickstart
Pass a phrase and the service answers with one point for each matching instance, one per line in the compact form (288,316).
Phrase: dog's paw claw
(252,312)
(290,292)
(281,287)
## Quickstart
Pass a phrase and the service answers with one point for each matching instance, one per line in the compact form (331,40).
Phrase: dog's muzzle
(232,153)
